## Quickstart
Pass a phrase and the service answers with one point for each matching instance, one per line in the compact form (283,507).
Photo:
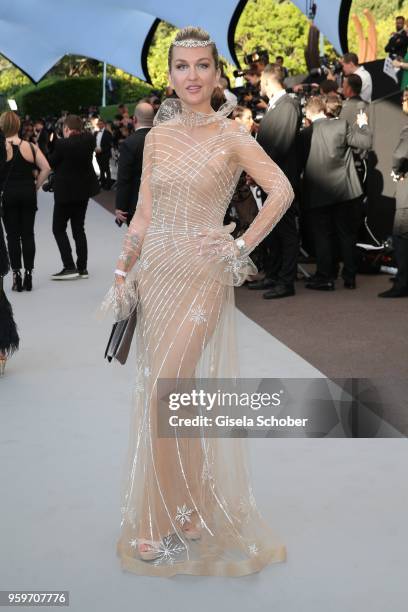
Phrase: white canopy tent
(35,34)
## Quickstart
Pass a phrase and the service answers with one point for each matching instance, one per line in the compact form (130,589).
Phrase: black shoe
(66,274)
(350,284)
(321,285)
(83,273)
(28,280)
(394,293)
(17,281)
(279,291)
(264,283)
(316,278)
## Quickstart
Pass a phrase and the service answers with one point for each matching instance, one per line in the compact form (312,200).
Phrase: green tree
(11,78)
(277,26)
(157,57)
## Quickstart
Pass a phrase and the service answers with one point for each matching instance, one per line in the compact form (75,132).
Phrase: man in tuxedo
(277,134)
(353,103)
(352,106)
(103,153)
(400,226)
(75,182)
(332,189)
(130,164)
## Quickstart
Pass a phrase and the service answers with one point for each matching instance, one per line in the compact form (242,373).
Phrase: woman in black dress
(20,198)
(9,339)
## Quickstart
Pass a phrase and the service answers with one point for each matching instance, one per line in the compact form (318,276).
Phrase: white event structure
(35,35)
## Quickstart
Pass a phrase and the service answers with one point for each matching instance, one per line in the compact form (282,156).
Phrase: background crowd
(317,131)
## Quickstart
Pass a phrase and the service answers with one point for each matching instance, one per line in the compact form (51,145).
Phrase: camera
(259,55)
(327,65)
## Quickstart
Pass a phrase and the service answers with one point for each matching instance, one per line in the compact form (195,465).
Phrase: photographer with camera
(74,183)
(277,135)
(252,95)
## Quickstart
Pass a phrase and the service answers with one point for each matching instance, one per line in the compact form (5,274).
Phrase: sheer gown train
(184,295)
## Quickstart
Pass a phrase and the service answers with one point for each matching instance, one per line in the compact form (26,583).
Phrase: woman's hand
(219,244)
(119,280)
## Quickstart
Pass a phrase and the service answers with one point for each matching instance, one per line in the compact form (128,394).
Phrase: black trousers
(334,229)
(75,213)
(400,244)
(280,249)
(104,168)
(19,218)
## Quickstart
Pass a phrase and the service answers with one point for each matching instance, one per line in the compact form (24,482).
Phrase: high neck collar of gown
(176,110)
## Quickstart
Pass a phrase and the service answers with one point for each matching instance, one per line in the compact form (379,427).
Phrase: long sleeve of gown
(248,155)
(252,158)
(122,296)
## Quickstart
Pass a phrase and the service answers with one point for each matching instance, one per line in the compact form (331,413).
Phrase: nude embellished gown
(182,268)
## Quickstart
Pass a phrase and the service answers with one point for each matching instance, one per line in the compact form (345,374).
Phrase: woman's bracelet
(121,273)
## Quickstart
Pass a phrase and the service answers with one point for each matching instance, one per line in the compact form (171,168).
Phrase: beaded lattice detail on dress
(176,110)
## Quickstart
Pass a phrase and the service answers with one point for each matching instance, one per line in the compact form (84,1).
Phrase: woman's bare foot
(148,549)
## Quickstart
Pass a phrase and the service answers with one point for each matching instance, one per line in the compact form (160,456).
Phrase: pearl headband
(192,42)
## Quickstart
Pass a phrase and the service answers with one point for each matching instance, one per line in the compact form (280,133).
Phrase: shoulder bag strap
(7,178)
(33,151)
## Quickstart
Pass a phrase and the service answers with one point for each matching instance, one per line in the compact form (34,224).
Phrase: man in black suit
(75,182)
(400,228)
(352,106)
(353,103)
(398,42)
(332,189)
(277,135)
(103,153)
(130,163)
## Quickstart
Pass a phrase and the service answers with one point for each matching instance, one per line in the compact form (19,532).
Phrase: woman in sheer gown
(187,503)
